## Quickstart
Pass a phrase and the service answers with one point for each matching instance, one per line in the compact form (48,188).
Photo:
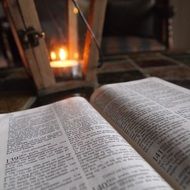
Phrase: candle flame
(53,55)
(63,54)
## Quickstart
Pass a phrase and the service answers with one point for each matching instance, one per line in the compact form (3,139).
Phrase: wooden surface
(9,15)
(23,14)
(91,54)
(10,102)
(66,86)
(72,31)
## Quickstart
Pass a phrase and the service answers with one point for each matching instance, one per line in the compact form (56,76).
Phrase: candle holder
(67,69)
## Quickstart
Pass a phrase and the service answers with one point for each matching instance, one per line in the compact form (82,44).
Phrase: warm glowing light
(76,55)
(75,10)
(63,54)
(63,64)
(53,55)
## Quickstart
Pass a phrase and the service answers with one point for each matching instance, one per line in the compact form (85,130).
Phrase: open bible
(133,135)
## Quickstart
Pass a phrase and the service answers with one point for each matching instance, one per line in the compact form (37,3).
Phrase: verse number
(12,160)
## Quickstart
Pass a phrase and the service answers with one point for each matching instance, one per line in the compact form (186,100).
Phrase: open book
(133,135)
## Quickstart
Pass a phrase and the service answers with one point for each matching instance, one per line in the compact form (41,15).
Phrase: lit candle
(64,67)
(63,63)
(63,54)
(53,55)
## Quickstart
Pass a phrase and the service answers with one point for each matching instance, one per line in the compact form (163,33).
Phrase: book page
(4,122)
(68,145)
(154,116)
